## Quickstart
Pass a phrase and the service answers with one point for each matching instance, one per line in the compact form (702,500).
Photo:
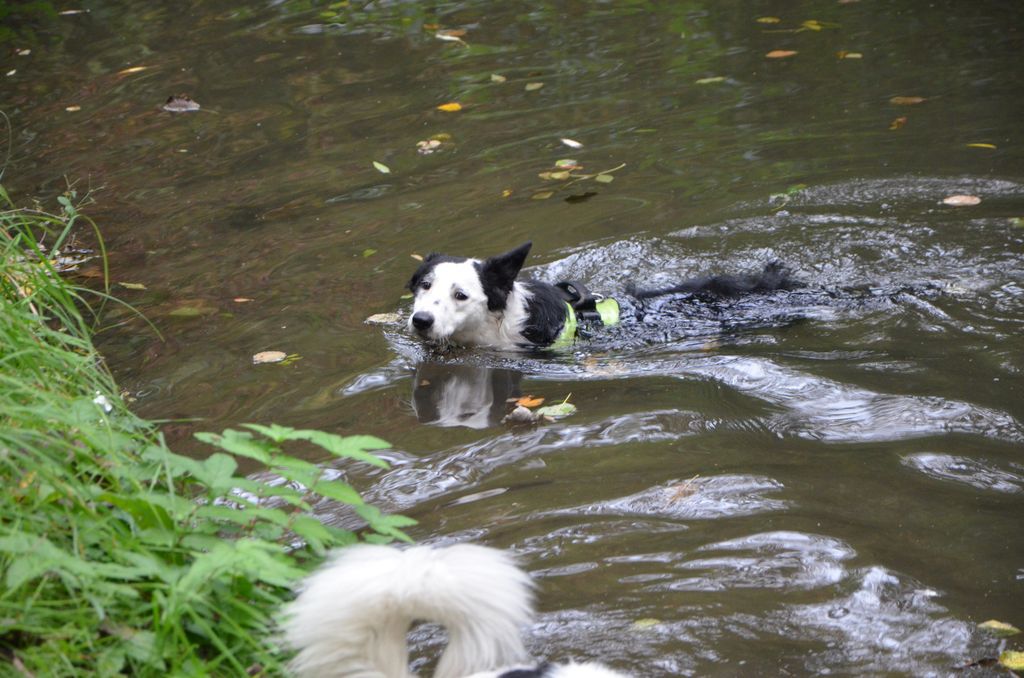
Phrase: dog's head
(455,297)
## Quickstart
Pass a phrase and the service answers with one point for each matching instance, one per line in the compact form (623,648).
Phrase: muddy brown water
(840,494)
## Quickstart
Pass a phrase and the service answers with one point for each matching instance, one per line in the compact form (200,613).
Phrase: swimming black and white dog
(352,615)
(473,302)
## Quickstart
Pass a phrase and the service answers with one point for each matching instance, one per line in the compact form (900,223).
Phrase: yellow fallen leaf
(265,357)
(242,300)
(384,319)
(710,81)
(906,101)
(780,53)
(990,146)
(450,107)
(381,167)
(1012,659)
(498,78)
(417,257)
(533,86)
(812,25)
(529,401)
(898,122)
(645,623)
(849,55)
(133,69)
(768,19)
(961,200)
(999,628)
(506,193)
(132,286)
(72,109)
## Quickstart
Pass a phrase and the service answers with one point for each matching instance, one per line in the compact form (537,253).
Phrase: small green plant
(119,556)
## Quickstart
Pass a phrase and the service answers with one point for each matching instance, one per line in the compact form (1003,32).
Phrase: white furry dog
(352,615)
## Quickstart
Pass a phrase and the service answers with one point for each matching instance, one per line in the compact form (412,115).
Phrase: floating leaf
(906,101)
(533,86)
(188,311)
(768,19)
(604,178)
(73,108)
(710,81)
(780,53)
(265,357)
(989,146)
(645,623)
(571,143)
(132,286)
(384,319)
(812,25)
(427,146)
(542,195)
(181,103)
(242,300)
(381,167)
(898,122)
(506,192)
(567,164)
(961,200)
(417,257)
(450,107)
(998,628)
(1012,660)
(558,411)
(561,175)
(369,252)
(849,55)
(530,401)
(451,35)
(130,71)
(498,78)
(1017,222)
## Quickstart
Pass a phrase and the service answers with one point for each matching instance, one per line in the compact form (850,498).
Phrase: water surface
(839,492)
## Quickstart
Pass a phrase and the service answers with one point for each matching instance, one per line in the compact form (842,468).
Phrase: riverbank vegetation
(118,555)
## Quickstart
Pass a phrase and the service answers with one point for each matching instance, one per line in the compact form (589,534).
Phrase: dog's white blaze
(469,321)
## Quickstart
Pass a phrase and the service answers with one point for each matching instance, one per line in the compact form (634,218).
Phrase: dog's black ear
(498,274)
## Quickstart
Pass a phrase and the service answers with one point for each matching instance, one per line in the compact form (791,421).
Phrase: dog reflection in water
(352,616)
(463,395)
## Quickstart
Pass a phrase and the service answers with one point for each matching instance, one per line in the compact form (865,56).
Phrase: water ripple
(973,472)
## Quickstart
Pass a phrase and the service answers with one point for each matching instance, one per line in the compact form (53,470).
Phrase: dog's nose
(422,320)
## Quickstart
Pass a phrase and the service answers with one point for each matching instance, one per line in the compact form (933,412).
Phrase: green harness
(583,307)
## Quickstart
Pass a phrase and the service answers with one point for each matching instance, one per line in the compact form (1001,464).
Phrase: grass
(118,555)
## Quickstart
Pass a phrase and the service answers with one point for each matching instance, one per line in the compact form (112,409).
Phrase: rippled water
(829,480)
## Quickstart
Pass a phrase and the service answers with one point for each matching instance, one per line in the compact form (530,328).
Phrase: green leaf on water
(711,81)
(1013,660)
(381,167)
(604,178)
(645,623)
(369,252)
(998,628)
(1017,221)
(556,411)
(567,164)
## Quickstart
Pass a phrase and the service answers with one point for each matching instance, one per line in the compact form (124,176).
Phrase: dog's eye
(425,285)
(460,295)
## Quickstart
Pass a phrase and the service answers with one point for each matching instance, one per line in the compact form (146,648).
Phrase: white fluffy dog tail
(352,615)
